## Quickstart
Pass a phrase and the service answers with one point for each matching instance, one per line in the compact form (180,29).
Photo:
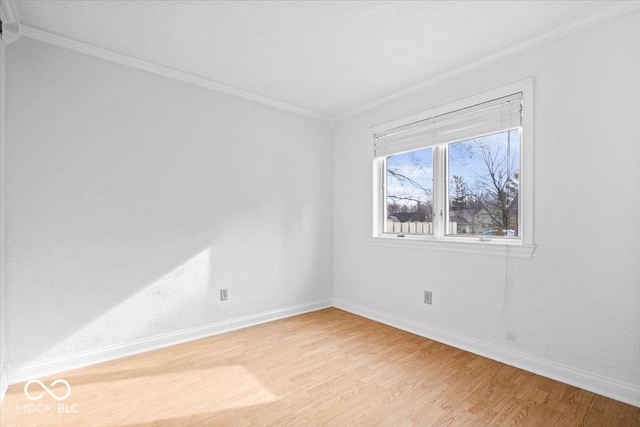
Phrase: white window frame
(521,247)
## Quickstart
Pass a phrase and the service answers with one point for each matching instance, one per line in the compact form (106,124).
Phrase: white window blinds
(478,120)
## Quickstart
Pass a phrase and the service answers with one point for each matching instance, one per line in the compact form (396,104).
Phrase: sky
(465,160)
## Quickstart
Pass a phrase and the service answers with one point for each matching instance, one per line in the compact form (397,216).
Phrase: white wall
(3,312)
(573,307)
(132,199)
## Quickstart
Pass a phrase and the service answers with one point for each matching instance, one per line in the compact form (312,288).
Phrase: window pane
(483,186)
(409,193)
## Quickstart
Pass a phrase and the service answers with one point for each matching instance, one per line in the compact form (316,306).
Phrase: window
(460,173)
(482,178)
(409,192)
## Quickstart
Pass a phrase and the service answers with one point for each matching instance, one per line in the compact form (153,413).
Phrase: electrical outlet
(223,295)
(427,297)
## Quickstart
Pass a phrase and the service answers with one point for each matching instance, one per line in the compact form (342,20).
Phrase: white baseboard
(86,358)
(4,385)
(608,387)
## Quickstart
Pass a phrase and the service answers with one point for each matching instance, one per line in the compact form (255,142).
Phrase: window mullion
(379,196)
(439,191)
(383,200)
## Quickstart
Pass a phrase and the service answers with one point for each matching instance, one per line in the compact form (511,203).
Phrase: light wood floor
(324,368)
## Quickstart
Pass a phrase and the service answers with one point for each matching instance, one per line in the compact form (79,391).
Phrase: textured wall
(3,311)
(133,198)
(576,301)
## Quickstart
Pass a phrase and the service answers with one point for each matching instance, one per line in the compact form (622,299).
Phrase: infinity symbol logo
(45,388)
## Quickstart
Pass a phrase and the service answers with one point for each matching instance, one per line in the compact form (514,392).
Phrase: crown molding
(498,56)
(15,30)
(8,12)
(67,43)
(10,21)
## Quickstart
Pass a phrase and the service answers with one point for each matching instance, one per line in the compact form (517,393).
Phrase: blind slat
(483,119)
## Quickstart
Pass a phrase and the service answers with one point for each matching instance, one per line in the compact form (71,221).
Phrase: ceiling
(330,57)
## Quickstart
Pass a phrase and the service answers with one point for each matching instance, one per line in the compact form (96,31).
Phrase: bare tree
(496,186)
(416,197)
(487,193)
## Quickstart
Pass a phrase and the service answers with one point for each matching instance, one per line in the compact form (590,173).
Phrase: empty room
(319,213)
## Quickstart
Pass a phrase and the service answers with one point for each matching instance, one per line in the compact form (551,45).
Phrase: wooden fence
(417,227)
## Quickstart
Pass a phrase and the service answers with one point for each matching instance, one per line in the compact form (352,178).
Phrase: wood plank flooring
(328,368)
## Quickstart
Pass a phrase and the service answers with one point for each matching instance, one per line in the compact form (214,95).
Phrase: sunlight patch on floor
(181,393)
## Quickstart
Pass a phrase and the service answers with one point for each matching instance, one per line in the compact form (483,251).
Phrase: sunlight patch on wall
(153,309)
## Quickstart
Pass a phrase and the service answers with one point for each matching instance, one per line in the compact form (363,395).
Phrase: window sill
(513,249)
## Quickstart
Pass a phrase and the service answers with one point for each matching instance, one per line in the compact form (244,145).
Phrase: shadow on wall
(101,291)
(132,199)
(110,254)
